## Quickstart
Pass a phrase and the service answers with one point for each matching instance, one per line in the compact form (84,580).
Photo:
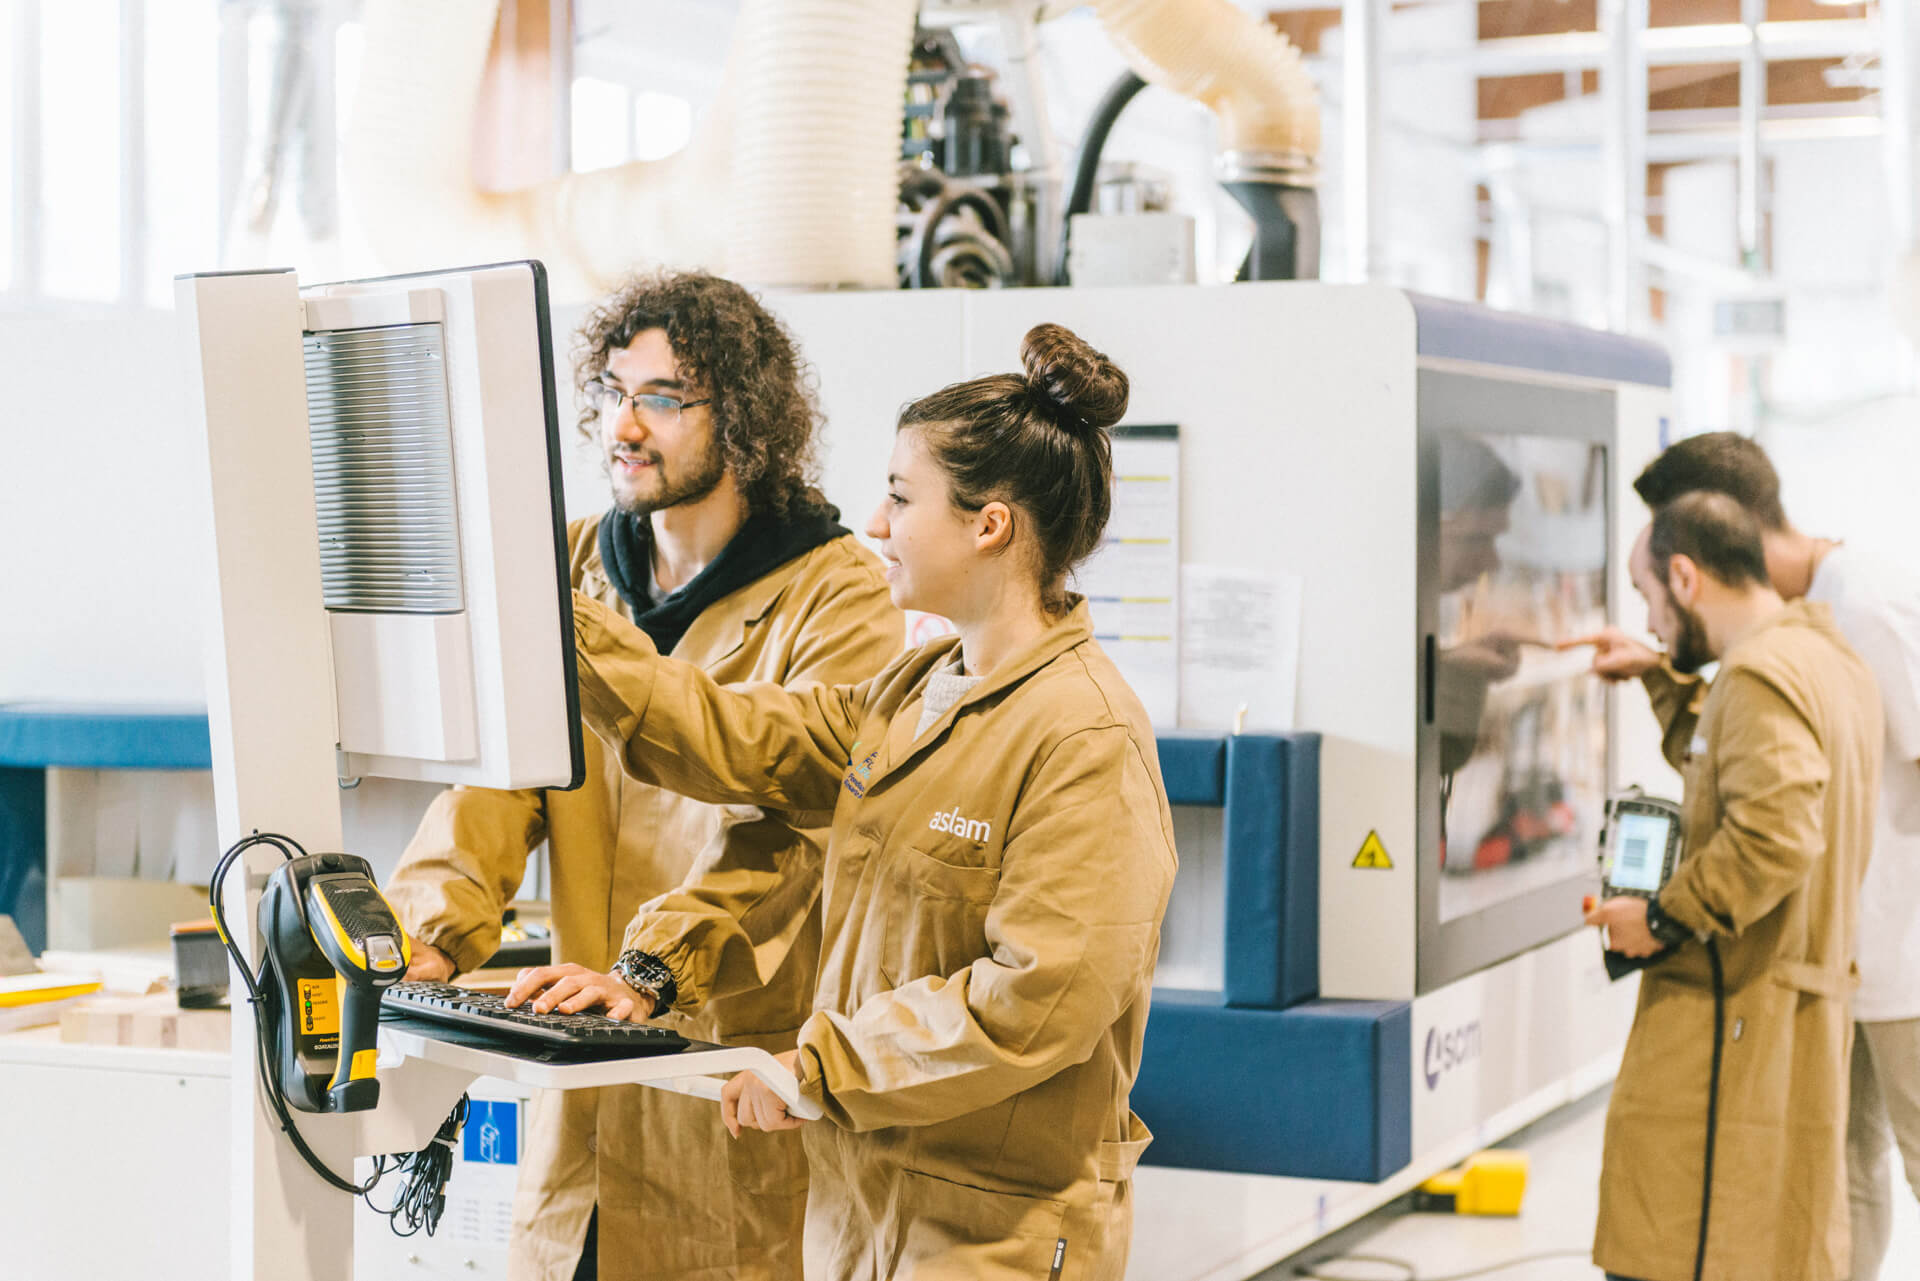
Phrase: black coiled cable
(423,1197)
(423,1192)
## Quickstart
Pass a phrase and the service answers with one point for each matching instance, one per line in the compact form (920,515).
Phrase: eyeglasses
(650,408)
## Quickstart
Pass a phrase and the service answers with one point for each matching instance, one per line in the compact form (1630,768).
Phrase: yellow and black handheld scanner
(332,944)
(1639,850)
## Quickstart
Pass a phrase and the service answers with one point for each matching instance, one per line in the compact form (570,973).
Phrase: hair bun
(1085,389)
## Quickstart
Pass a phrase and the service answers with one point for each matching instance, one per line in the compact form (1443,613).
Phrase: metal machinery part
(1277,190)
(1286,223)
(1087,167)
(1211,51)
(966,218)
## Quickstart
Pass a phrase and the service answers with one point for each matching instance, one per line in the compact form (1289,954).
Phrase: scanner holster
(331,944)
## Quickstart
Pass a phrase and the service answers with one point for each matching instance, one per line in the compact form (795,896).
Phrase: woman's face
(931,547)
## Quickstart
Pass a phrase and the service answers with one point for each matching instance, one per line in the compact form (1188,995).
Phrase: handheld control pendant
(332,945)
(1639,849)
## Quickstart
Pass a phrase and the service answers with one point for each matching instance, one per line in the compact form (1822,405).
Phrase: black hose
(922,243)
(1713,1105)
(1092,143)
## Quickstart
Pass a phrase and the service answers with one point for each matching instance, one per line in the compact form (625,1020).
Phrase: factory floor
(1562,1199)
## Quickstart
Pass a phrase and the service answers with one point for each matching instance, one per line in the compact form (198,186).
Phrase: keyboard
(486,1012)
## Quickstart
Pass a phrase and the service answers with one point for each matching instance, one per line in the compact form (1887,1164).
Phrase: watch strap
(1665,929)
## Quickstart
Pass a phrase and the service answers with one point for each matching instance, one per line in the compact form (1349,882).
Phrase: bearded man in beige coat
(719,547)
(1725,1144)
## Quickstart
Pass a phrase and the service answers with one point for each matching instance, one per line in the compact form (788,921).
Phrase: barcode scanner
(332,946)
(1639,849)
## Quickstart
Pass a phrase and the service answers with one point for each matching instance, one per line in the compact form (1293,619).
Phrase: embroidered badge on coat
(859,775)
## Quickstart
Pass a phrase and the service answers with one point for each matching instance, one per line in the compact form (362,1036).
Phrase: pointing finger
(527,982)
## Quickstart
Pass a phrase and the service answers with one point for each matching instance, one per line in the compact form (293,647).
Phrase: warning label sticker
(319,1011)
(1373,854)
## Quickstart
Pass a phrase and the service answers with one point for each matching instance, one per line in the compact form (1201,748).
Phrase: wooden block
(204,1030)
(145,1022)
(15,956)
(498,981)
(103,1020)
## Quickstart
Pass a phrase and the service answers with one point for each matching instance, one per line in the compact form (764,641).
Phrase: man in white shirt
(1876,605)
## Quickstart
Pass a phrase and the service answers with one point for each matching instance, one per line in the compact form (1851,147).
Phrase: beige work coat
(676,1197)
(993,890)
(1782,764)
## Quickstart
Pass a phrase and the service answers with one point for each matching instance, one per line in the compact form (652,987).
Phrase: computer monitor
(433,420)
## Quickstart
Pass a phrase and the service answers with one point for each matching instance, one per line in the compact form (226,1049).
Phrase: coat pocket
(1117,1159)
(957,1232)
(1814,980)
(933,916)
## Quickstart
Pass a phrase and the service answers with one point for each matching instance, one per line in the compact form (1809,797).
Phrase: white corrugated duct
(1248,74)
(818,89)
(791,178)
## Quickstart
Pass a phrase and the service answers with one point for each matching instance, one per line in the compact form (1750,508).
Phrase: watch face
(647,974)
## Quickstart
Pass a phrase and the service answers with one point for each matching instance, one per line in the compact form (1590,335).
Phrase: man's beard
(705,477)
(1690,652)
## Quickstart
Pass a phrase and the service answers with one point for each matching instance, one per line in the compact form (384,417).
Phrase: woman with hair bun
(1000,858)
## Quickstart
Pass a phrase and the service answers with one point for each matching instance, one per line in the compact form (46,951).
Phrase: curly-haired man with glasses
(721,548)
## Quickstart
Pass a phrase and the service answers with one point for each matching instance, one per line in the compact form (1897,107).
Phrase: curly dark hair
(766,412)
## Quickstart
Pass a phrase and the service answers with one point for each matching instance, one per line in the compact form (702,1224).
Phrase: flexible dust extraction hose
(1254,82)
(819,86)
(790,180)
(1241,69)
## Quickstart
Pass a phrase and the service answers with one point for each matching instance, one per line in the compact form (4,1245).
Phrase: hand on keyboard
(572,988)
(486,1014)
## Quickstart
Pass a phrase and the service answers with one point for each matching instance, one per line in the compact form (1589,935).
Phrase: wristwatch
(645,972)
(1664,928)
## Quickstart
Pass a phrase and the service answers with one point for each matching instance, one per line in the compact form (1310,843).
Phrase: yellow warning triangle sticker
(1373,854)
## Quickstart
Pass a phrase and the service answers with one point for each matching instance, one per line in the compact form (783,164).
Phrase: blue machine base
(1269,786)
(1319,1091)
